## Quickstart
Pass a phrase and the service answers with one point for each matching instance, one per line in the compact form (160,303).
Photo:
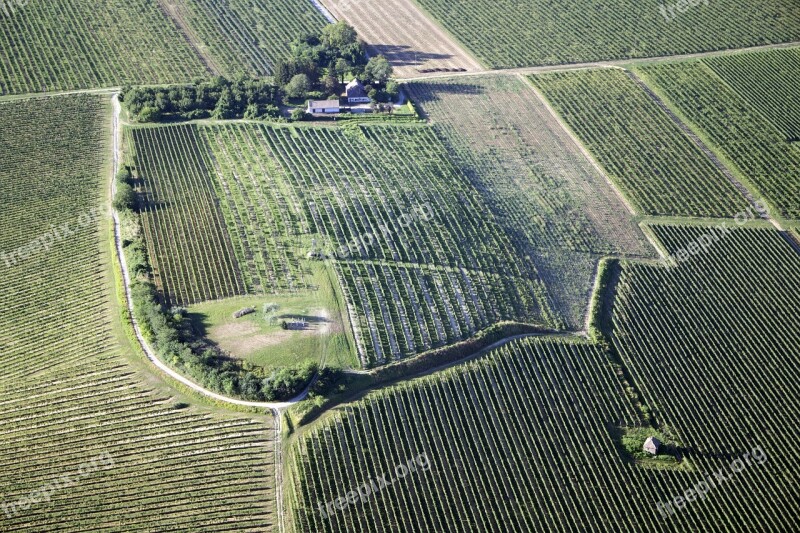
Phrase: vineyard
(402,225)
(248,36)
(557,209)
(654,163)
(507,33)
(76,421)
(533,444)
(767,81)
(191,253)
(82,44)
(749,141)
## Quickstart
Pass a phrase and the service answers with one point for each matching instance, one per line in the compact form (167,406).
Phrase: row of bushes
(217,98)
(170,332)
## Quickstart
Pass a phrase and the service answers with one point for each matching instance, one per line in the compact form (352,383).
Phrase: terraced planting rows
(712,345)
(81,44)
(658,167)
(395,222)
(529,448)
(248,35)
(558,210)
(769,82)
(508,33)
(190,250)
(70,392)
(755,147)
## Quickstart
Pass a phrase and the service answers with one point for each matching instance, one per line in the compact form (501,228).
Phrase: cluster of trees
(319,64)
(173,338)
(218,98)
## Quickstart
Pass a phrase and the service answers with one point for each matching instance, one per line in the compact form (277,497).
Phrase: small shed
(652,445)
(356,93)
(323,106)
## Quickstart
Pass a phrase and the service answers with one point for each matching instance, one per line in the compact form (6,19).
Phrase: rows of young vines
(755,147)
(649,157)
(85,443)
(83,44)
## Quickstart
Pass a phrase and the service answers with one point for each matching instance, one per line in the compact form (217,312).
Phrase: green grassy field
(755,147)
(83,420)
(507,33)
(82,44)
(654,163)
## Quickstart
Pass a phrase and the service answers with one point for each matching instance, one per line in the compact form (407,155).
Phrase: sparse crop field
(190,251)
(658,167)
(399,30)
(80,44)
(245,35)
(753,144)
(420,257)
(70,394)
(769,82)
(508,33)
(557,208)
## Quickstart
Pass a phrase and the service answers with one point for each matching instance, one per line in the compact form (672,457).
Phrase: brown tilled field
(399,30)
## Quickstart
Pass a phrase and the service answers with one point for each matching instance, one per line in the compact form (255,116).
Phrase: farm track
(173,11)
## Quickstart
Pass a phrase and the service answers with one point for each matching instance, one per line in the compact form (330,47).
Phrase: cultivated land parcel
(484,282)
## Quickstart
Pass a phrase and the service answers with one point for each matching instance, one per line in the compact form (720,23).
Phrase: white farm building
(323,106)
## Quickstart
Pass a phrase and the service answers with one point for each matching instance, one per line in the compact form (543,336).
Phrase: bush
(125,197)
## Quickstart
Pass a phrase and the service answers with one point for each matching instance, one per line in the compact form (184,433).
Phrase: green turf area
(769,82)
(248,36)
(81,44)
(260,338)
(658,167)
(557,208)
(508,33)
(753,145)
(82,418)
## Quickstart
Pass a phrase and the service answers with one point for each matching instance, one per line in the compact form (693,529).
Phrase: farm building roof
(355,89)
(323,103)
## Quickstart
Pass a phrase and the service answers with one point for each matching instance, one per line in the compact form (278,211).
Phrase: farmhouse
(356,93)
(323,106)
(652,445)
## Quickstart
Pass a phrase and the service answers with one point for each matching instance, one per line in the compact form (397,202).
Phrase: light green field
(261,341)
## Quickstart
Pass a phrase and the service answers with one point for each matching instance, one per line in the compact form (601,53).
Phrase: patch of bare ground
(402,32)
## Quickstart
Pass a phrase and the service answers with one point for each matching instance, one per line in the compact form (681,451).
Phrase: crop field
(768,81)
(191,253)
(712,345)
(508,33)
(81,44)
(539,415)
(245,35)
(556,207)
(403,33)
(76,419)
(394,223)
(657,165)
(753,145)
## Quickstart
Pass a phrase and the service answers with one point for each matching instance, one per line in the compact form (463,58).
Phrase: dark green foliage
(219,98)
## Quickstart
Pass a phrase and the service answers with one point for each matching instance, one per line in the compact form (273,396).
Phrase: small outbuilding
(356,93)
(652,446)
(323,106)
